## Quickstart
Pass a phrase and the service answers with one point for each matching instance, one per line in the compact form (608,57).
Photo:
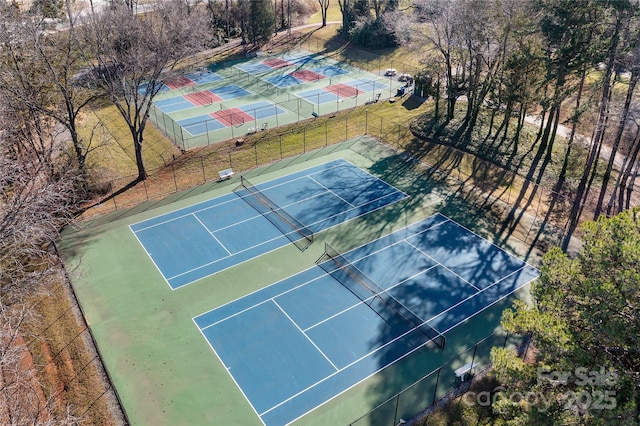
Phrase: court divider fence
(442,383)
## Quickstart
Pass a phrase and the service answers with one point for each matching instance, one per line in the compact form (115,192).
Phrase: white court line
(256,304)
(228,370)
(305,335)
(351,364)
(373,176)
(315,266)
(211,233)
(269,251)
(188,212)
(493,244)
(331,192)
(227,257)
(150,258)
(373,297)
(476,294)
(439,263)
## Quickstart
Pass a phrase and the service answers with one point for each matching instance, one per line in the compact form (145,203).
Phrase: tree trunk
(582,192)
(324,5)
(142,173)
(625,174)
(451,95)
(616,142)
(574,124)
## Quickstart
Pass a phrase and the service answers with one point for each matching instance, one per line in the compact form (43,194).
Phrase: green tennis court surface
(337,331)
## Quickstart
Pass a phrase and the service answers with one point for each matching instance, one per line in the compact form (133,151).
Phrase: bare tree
(34,205)
(134,53)
(443,34)
(36,74)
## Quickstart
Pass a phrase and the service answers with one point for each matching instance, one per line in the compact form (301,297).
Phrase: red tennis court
(178,82)
(276,63)
(204,97)
(232,116)
(343,90)
(307,75)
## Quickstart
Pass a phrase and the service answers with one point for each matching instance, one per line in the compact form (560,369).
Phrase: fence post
(346,128)
(175,181)
(255,151)
(395,413)
(366,121)
(144,185)
(204,176)
(326,133)
(435,388)
(473,357)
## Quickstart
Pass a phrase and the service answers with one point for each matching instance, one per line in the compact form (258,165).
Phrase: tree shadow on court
(470,201)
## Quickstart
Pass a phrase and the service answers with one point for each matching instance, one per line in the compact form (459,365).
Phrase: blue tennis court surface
(176,103)
(318,96)
(204,77)
(330,70)
(262,109)
(298,343)
(200,125)
(299,58)
(206,238)
(230,92)
(254,68)
(366,84)
(285,80)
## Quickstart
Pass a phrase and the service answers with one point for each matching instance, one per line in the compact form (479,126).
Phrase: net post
(285,222)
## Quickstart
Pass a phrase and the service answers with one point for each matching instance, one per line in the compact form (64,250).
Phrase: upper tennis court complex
(238,98)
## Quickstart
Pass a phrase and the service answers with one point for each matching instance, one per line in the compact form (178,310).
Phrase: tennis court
(203,239)
(278,328)
(294,345)
(203,109)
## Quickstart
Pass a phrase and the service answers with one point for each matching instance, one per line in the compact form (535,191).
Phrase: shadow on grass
(413,102)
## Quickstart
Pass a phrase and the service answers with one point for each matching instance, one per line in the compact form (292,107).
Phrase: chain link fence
(491,183)
(447,380)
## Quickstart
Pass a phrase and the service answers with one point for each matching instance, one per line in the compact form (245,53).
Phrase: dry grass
(69,371)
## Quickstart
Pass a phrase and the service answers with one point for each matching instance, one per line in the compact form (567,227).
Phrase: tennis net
(292,228)
(364,288)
